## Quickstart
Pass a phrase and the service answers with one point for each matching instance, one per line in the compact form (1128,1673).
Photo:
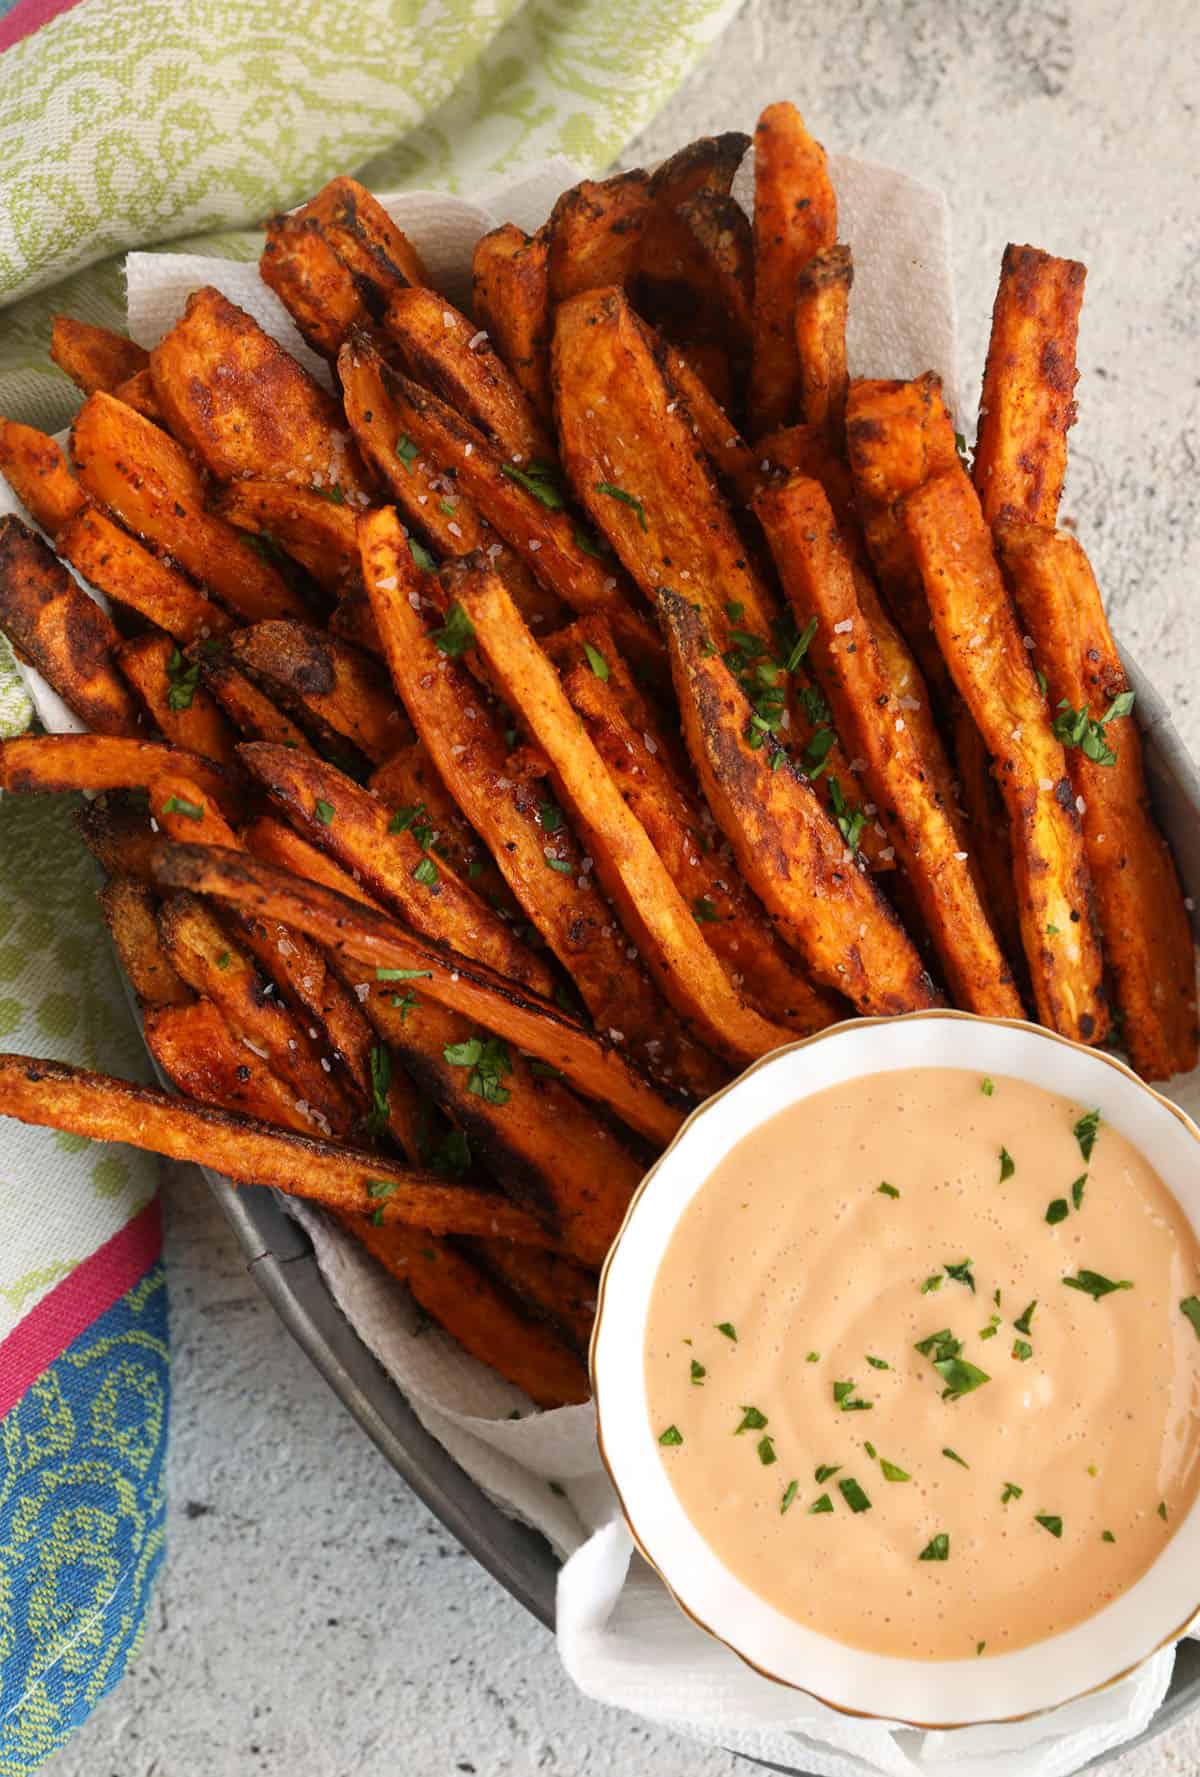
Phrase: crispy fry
(795,216)
(822,298)
(1028,401)
(733,925)
(150,484)
(137,391)
(352,620)
(350,823)
(45,762)
(697,271)
(519,821)
(548,1285)
(195,1048)
(534,1025)
(181,708)
(118,835)
(511,299)
(596,233)
(313,530)
(710,163)
(315,288)
(249,709)
(409,784)
(442,349)
(448,1286)
(129,575)
(575,645)
(329,686)
(986,836)
(36,470)
(735,464)
(265,837)
(378,255)
(710,363)
(979,637)
(1147,935)
(233,396)
(630,870)
(94,357)
(129,912)
(250,1153)
(61,631)
(788,849)
(818,577)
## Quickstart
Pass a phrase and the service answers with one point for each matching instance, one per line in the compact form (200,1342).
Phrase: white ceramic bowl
(924,1693)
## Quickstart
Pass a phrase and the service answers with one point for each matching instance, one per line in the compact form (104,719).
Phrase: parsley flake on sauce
(726,1327)
(937,1548)
(887,1190)
(1007,1165)
(766,1452)
(752,1420)
(789,1495)
(1011,1491)
(1095,1284)
(853,1495)
(1085,1132)
(892,1471)
(672,1435)
(1190,1309)
(826,1472)
(955,1457)
(824,1504)
(961,1273)
(1077,1188)
(879,1363)
(1025,1323)
(698,1373)
(987,1087)
(1049,1521)
(1057,1211)
(1022,1350)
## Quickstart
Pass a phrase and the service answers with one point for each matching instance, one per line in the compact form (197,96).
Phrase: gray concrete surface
(314,1621)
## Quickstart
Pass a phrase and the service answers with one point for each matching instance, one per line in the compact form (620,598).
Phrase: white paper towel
(620,1636)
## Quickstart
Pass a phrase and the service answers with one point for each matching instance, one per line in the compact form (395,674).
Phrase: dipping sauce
(880,1398)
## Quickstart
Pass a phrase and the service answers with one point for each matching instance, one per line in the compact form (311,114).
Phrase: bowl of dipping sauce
(897,1368)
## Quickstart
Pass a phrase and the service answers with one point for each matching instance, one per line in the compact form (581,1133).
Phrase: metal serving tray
(281,1257)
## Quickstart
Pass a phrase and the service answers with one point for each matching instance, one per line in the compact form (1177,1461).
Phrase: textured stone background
(314,1620)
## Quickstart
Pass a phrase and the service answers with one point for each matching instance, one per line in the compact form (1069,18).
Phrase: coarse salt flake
(1081,805)
(476,340)
(362,989)
(844,627)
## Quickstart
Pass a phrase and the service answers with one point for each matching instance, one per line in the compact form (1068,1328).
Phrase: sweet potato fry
(378,255)
(511,299)
(978,634)
(710,163)
(46,762)
(795,216)
(352,620)
(596,233)
(520,821)
(549,1286)
(245,407)
(462,1299)
(203,1059)
(169,687)
(36,470)
(117,833)
(630,870)
(150,484)
(789,851)
(532,1024)
(313,530)
(985,834)
(182,810)
(697,272)
(818,577)
(101,1108)
(215,965)
(409,785)
(93,357)
(393,865)
(137,391)
(129,912)
(330,687)
(1147,935)
(54,625)
(589,642)
(1028,401)
(315,288)
(441,348)
(733,925)
(822,298)
(128,574)
(249,709)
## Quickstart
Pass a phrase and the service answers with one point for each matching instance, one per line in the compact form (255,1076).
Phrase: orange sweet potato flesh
(359,833)
(697,272)
(316,532)
(310,280)
(549,1286)
(138,391)
(378,255)
(146,480)
(630,870)
(980,639)
(789,852)
(1028,402)
(435,344)
(822,299)
(181,708)
(55,626)
(985,834)
(34,764)
(325,681)
(795,216)
(249,709)
(36,470)
(94,357)
(710,163)
(1147,935)
(203,1059)
(735,463)
(245,407)
(511,299)
(127,574)
(462,1299)
(101,1108)
(129,908)
(119,837)
(596,233)
(410,784)
(535,1025)
(818,577)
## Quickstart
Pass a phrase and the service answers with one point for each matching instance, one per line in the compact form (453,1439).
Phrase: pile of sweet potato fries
(601,690)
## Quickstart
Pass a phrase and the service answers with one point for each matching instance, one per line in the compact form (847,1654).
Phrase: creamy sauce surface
(996,1517)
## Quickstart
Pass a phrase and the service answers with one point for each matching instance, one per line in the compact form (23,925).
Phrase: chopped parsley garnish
(814,1357)
(979,1647)
(585,541)
(1057,1211)
(1007,1165)
(937,1548)
(1077,1190)
(960,1377)
(1190,1309)
(1106,1536)
(488,1060)
(1085,1132)
(955,1457)
(404,974)
(823,1504)
(403,819)
(596,661)
(800,647)
(735,611)
(698,1373)
(1022,1350)
(887,1190)
(931,1283)
(826,1472)
(540,481)
(421,556)
(1025,1323)
(457,634)
(845,1398)
(752,1420)
(407,451)
(182,681)
(813,703)
(672,1435)
(324,811)
(176,805)
(853,1495)
(766,1452)
(562,865)
(1049,1521)
(1011,1491)
(1077,728)
(333,494)
(817,751)
(704,912)
(992,1328)
(1051,930)
(879,1363)
(381,1078)
(961,1273)
(987,1087)
(618,493)
(892,1472)
(1162,1510)
(224,960)
(551,816)
(789,1494)
(726,1327)
(382,1187)
(557,1488)
(1095,1284)
(426,873)
(939,1346)
(850,819)
(447,508)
